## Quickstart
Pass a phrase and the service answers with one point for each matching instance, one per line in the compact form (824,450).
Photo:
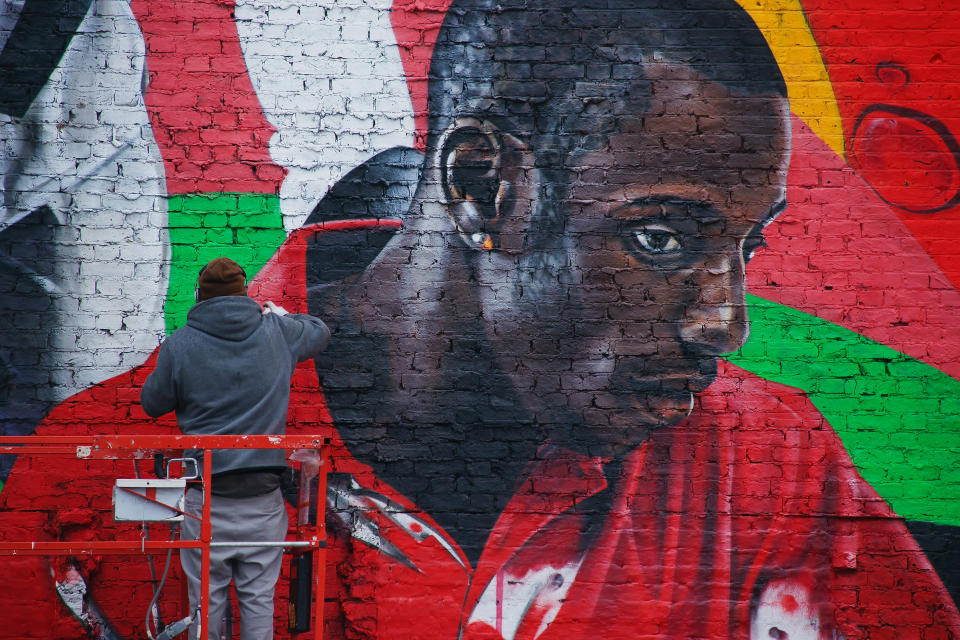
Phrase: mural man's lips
(691,375)
(671,383)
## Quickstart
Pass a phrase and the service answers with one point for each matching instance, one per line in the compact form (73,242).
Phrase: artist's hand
(269,307)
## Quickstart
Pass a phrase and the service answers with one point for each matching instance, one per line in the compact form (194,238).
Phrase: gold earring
(483,240)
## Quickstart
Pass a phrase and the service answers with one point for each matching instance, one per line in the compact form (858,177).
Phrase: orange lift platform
(309,537)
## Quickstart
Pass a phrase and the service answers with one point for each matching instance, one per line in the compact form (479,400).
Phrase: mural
(645,316)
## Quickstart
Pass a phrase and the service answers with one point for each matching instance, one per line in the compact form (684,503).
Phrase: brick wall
(645,314)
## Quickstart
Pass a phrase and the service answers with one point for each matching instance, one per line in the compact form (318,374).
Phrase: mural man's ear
(488,183)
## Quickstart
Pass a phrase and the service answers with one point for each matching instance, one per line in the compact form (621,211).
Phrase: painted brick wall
(645,313)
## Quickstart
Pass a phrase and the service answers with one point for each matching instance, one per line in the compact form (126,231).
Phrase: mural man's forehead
(717,38)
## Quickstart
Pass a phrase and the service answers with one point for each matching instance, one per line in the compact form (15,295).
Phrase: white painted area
(540,591)
(329,77)
(86,149)
(72,589)
(785,611)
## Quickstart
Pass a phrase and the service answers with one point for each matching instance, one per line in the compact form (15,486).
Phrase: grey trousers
(254,570)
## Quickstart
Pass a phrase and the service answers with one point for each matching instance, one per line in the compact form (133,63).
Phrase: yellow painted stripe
(785,27)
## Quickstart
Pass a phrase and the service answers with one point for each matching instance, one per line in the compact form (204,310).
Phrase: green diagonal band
(899,418)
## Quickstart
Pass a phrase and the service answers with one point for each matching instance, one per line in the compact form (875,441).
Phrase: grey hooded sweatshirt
(228,372)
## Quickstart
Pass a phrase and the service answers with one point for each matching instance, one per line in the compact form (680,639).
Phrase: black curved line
(935,124)
(34,49)
(888,64)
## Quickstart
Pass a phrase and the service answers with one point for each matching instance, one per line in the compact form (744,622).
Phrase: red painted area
(619,590)
(840,253)
(206,117)
(416,24)
(68,499)
(907,161)
(893,66)
(789,603)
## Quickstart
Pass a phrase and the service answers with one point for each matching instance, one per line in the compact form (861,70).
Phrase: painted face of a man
(659,222)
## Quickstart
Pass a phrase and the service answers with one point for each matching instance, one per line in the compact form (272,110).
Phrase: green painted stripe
(246,227)
(898,417)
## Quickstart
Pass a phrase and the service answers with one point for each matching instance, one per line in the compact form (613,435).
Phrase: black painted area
(34,49)
(382,187)
(26,318)
(454,447)
(941,543)
(336,255)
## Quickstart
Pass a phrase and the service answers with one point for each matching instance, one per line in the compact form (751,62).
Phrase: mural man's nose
(716,320)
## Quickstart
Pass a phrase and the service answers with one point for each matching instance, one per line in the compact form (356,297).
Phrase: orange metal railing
(113,447)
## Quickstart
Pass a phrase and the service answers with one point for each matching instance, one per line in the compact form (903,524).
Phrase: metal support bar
(205,535)
(320,560)
(129,547)
(69,451)
(92,547)
(172,441)
(292,543)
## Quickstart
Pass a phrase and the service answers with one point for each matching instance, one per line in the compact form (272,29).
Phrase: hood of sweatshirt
(227,317)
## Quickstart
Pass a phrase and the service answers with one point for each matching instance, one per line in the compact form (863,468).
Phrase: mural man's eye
(658,240)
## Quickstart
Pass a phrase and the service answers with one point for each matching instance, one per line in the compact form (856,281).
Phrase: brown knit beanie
(221,277)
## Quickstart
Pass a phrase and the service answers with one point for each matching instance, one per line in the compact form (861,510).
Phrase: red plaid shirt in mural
(747,520)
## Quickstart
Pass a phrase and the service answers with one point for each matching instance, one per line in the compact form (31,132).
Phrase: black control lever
(159,465)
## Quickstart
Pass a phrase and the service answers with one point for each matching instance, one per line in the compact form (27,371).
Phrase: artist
(226,372)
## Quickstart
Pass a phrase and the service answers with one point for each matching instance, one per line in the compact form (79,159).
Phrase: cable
(156,593)
(158,619)
(174,629)
(155,609)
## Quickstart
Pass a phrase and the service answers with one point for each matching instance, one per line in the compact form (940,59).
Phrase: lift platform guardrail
(138,447)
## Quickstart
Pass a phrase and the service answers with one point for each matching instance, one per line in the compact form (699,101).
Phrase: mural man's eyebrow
(670,205)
